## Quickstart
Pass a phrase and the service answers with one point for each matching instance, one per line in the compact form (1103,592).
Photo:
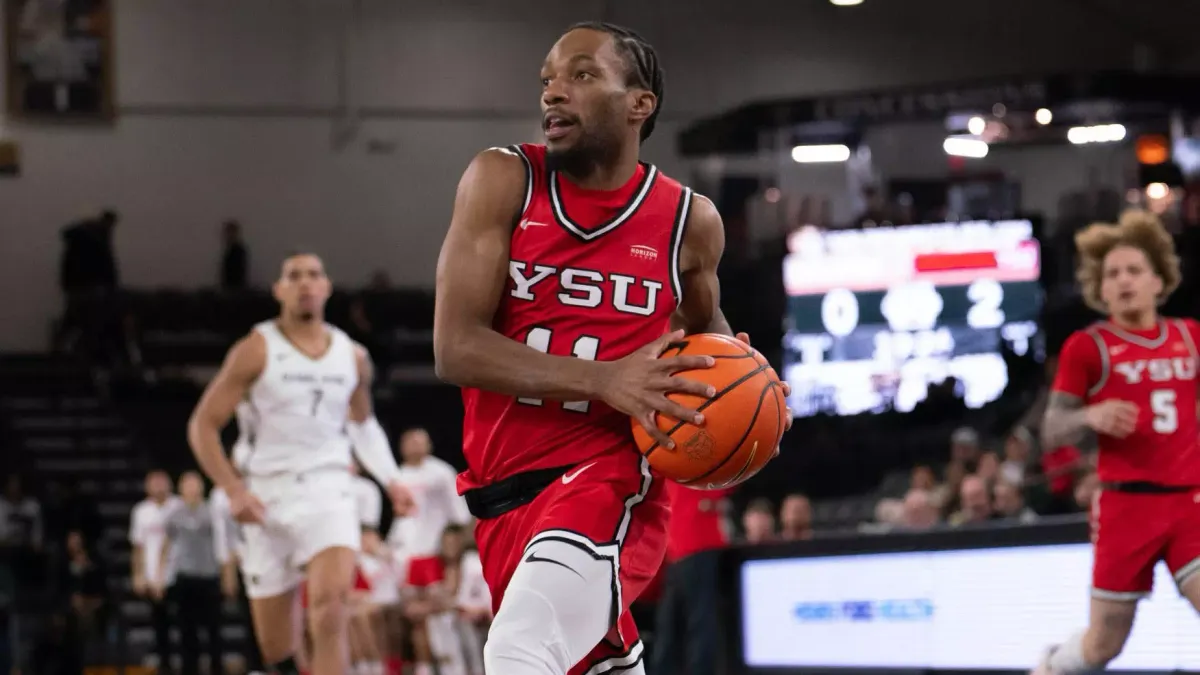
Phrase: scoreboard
(875,316)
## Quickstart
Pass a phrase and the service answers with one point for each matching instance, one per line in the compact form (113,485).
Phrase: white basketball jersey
(435,496)
(300,405)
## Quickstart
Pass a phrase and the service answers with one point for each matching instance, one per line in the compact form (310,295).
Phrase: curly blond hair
(1138,229)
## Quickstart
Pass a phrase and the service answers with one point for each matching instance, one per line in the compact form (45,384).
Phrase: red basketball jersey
(1155,370)
(593,275)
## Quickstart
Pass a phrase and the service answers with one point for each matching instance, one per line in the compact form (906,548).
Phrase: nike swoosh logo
(533,557)
(568,477)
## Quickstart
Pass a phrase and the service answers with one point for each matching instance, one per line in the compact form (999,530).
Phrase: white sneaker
(1043,666)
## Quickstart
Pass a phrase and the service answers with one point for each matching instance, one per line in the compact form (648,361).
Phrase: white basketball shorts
(306,513)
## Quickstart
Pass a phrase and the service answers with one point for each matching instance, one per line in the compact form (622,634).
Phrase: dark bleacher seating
(178,328)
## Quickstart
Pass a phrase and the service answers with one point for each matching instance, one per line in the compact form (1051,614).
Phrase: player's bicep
(473,263)
(703,245)
(241,368)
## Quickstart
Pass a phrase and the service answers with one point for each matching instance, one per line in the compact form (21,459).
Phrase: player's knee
(328,612)
(527,639)
(556,608)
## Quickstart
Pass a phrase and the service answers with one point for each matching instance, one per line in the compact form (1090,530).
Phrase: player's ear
(644,103)
(275,292)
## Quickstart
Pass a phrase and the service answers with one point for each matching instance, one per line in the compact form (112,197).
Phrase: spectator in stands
(85,587)
(889,515)
(946,495)
(988,467)
(922,478)
(66,509)
(687,628)
(919,510)
(189,552)
(1009,504)
(964,447)
(379,281)
(88,276)
(88,262)
(795,518)
(21,533)
(1016,455)
(235,259)
(147,534)
(758,522)
(976,502)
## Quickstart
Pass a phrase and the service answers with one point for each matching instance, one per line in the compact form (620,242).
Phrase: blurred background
(158,158)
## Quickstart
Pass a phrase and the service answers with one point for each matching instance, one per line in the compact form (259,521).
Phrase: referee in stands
(191,552)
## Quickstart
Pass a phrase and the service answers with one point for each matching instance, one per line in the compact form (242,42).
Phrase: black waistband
(1146,487)
(497,499)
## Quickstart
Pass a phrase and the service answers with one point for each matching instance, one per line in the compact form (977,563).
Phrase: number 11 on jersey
(585,347)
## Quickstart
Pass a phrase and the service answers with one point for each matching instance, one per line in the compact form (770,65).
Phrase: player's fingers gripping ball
(743,421)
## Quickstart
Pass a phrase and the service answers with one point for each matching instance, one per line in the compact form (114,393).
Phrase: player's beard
(595,147)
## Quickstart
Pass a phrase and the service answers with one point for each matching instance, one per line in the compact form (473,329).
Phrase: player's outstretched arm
(703,246)
(368,439)
(471,275)
(243,365)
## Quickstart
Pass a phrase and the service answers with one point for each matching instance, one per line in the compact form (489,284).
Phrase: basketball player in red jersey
(567,269)
(1132,381)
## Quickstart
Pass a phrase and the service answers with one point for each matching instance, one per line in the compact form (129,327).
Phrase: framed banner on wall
(59,60)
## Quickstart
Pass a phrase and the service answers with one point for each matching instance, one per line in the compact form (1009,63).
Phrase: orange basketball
(743,421)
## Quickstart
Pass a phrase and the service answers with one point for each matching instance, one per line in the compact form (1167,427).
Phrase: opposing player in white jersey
(310,389)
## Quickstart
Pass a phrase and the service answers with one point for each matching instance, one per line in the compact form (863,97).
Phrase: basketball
(743,421)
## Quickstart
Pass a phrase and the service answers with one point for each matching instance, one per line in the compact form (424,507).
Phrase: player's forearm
(1062,426)
(485,359)
(205,439)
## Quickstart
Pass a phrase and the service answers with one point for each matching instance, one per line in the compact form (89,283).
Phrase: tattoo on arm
(1064,422)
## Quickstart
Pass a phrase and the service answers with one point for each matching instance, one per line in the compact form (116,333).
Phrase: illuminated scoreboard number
(914,306)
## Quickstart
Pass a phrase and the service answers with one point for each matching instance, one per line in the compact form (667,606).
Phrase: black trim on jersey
(677,233)
(516,149)
(558,207)
(616,657)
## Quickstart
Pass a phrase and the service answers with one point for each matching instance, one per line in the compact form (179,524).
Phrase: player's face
(158,486)
(191,488)
(452,545)
(1129,285)
(587,107)
(302,288)
(415,445)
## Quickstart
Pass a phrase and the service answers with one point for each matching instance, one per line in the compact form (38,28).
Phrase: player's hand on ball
(787,388)
(246,508)
(401,498)
(1112,418)
(638,385)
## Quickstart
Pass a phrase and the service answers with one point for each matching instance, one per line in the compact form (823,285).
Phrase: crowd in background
(989,469)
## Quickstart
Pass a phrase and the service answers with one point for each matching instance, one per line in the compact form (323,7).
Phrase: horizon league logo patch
(919,609)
